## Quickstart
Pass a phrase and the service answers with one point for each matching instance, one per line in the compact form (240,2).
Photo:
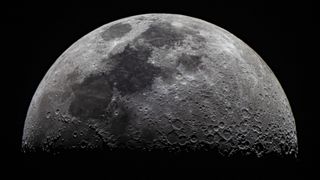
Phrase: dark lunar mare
(162,34)
(132,73)
(116,31)
(92,97)
(189,62)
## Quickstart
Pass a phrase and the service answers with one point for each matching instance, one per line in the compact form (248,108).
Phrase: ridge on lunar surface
(161,82)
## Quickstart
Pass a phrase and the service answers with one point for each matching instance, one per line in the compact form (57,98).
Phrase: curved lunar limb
(161,82)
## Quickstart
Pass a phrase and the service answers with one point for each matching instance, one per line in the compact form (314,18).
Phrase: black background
(282,34)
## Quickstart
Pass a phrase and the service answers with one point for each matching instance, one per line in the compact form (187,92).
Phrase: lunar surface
(160,82)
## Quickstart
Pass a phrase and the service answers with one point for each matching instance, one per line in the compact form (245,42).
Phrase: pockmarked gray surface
(160,82)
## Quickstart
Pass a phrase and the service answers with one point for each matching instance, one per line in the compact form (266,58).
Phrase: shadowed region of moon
(172,83)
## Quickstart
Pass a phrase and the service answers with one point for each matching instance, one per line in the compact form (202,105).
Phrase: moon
(161,82)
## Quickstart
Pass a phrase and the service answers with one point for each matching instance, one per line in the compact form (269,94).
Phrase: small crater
(48,115)
(243,126)
(226,134)
(256,129)
(210,139)
(194,138)
(177,124)
(116,31)
(245,113)
(75,134)
(83,144)
(116,113)
(182,140)
(221,125)
(244,144)
(173,137)
(216,137)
